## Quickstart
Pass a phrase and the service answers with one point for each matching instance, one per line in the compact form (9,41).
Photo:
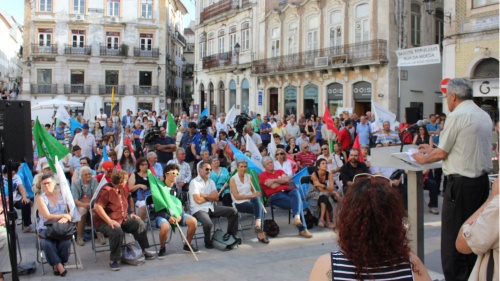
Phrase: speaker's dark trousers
(462,197)
(134,226)
(219,211)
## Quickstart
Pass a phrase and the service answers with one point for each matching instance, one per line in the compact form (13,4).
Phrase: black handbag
(59,231)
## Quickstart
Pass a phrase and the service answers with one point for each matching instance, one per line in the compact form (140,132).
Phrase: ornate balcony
(368,52)
(45,49)
(179,37)
(116,51)
(72,50)
(77,89)
(142,53)
(146,90)
(43,89)
(218,60)
(218,9)
(107,89)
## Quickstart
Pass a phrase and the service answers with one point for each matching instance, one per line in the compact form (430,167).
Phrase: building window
(78,38)
(113,8)
(439,26)
(45,37)
(480,3)
(146,42)
(147,9)
(291,100)
(232,93)
(275,42)
(79,7)
(210,45)
(220,41)
(44,76)
(232,37)
(203,50)
(245,36)
(111,77)
(416,18)
(336,28)
(312,33)
(112,40)
(292,37)
(45,5)
(362,23)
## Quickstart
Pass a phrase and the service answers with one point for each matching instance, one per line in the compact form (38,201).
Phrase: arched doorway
(362,93)
(222,97)
(212,108)
(291,100)
(335,96)
(245,96)
(273,99)
(203,98)
(485,86)
(310,100)
(232,93)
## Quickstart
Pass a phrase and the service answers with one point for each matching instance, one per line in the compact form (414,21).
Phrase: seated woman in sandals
(246,199)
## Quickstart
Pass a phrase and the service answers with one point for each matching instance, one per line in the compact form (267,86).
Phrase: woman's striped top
(343,269)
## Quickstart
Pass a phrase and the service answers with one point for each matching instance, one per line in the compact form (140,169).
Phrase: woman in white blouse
(281,163)
(246,199)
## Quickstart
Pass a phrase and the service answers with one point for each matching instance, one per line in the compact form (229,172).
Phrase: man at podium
(465,148)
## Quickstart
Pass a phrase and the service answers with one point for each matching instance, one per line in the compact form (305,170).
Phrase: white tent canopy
(54,103)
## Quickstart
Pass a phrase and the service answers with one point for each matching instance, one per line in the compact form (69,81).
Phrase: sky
(16,9)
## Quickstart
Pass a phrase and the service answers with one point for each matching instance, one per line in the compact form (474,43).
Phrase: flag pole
(184,237)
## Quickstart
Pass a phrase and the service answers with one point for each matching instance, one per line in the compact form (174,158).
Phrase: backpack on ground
(132,254)
(271,228)
(225,241)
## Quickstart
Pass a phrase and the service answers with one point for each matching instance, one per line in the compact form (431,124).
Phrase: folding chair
(40,257)
(267,203)
(149,201)
(304,181)
(240,218)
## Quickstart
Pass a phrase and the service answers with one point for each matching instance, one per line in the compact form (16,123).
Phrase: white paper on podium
(407,159)
(391,157)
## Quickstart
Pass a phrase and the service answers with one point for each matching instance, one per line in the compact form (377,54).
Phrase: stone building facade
(83,50)
(11,33)
(471,48)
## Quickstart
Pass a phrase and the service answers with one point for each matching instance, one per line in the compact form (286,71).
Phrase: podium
(390,157)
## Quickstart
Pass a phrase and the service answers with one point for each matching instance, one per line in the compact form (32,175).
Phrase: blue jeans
(56,251)
(290,200)
(254,206)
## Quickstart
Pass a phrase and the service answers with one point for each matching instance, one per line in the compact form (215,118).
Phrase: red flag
(295,168)
(327,117)
(358,146)
(129,144)
(152,170)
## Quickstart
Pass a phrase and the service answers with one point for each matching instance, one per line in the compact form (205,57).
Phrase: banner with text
(419,56)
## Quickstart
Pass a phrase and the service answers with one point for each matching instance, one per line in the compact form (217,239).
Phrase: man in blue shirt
(265,130)
(203,141)
(434,128)
(363,129)
(165,146)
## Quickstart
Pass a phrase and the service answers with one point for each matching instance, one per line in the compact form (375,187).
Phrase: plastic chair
(40,257)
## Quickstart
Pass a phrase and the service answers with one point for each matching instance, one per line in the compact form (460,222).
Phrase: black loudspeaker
(413,114)
(15,131)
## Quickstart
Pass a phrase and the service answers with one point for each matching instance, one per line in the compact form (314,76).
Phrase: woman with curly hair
(372,238)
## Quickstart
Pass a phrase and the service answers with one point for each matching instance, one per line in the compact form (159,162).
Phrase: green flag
(171,126)
(162,199)
(47,145)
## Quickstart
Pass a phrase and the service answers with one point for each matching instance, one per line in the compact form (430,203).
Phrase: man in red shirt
(305,157)
(274,184)
(112,218)
(345,137)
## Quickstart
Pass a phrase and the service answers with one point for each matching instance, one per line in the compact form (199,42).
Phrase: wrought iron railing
(44,89)
(74,50)
(218,60)
(146,90)
(177,35)
(115,51)
(218,9)
(107,89)
(189,48)
(45,49)
(374,51)
(151,53)
(77,89)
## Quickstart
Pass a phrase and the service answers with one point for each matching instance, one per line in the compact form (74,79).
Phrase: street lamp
(237,48)
(429,6)
(159,70)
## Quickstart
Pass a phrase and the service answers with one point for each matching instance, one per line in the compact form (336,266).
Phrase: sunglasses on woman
(366,175)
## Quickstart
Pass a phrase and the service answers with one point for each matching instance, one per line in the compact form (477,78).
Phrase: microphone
(416,125)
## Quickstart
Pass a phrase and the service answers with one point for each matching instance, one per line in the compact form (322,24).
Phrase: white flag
(382,115)
(252,148)
(66,192)
(271,147)
(119,146)
(231,115)
(101,184)
(63,115)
